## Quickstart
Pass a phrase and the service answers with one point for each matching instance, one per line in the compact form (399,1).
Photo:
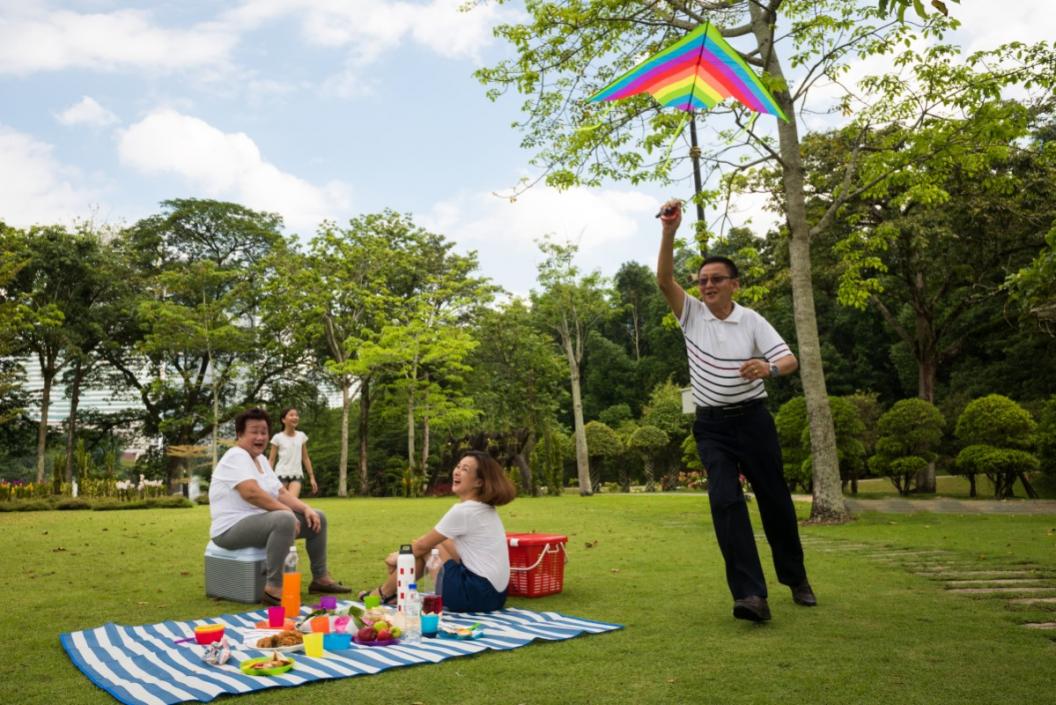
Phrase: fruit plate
(288,625)
(249,667)
(376,642)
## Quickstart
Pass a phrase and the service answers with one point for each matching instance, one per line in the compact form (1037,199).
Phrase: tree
(570,304)
(14,317)
(1033,287)
(909,434)
(57,287)
(649,441)
(567,53)
(604,445)
(664,411)
(424,340)
(997,434)
(196,347)
(516,382)
(343,290)
(1046,436)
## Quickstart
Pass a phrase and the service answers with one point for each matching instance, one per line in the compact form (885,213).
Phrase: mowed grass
(880,635)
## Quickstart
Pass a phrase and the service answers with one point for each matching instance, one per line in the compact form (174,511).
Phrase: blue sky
(314,109)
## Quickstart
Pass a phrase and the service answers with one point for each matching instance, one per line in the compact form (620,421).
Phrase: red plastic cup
(276,616)
(320,625)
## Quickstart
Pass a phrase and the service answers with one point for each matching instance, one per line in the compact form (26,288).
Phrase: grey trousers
(274,531)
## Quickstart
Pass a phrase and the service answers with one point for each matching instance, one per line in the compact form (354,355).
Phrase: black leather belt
(724,412)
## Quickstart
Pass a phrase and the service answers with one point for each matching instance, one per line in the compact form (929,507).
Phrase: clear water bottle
(432,572)
(412,615)
(290,564)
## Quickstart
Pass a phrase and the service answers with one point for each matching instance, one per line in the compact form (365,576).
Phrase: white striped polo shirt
(717,348)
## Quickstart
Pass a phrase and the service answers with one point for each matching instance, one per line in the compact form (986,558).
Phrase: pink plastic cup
(276,616)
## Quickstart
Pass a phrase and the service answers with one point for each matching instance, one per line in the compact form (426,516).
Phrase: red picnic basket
(537,564)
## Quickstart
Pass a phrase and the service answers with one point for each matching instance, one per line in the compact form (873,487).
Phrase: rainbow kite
(695,73)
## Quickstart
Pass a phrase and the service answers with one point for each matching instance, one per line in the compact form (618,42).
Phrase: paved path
(948,505)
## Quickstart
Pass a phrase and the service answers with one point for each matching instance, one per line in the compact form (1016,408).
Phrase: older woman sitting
(250,507)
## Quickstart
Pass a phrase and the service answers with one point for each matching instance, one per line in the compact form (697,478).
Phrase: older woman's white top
(226,505)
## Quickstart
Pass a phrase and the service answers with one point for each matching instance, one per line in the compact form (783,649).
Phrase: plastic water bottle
(432,572)
(412,615)
(291,584)
(405,575)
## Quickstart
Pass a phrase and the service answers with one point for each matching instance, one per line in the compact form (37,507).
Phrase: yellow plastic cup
(313,645)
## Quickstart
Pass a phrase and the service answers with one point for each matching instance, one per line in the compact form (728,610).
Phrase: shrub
(1046,437)
(998,435)
(649,441)
(909,433)
(791,422)
(602,444)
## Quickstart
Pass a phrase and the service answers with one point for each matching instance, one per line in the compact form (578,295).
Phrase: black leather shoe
(752,608)
(803,595)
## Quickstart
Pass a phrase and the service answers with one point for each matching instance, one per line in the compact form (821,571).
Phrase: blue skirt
(465,591)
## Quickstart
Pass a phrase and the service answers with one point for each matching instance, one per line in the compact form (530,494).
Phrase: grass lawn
(880,635)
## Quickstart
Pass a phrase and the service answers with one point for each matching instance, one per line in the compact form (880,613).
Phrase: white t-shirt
(480,540)
(288,462)
(717,348)
(226,505)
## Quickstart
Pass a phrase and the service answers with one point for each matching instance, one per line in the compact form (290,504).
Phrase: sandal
(390,600)
(268,599)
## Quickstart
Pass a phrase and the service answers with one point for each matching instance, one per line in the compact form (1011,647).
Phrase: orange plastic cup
(320,625)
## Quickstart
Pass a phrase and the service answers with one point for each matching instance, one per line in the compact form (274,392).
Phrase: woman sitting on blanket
(250,507)
(471,540)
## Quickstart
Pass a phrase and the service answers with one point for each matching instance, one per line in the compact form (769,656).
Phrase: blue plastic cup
(430,624)
(336,642)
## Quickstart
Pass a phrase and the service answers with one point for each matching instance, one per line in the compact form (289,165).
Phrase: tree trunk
(927,371)
(342,460)
(582,461)
(425,443)
(71,419)
(828,502)
(410,429)
(650,484)
(42,428)
(520,459)
(364,427)
(971,484)
(1027,487)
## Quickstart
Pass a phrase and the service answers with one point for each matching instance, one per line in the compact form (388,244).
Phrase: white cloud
(33,41)
(227,165)
(366,29)
(87,111)
(607,224)
(35,187)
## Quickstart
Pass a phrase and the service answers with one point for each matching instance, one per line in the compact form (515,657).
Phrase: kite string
(671,143)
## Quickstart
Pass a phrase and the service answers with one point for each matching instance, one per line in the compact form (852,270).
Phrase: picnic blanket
(143,666)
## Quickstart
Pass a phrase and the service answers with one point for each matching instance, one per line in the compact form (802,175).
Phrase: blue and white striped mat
(142,665)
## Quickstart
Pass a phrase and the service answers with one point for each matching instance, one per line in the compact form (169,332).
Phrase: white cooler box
(235,575)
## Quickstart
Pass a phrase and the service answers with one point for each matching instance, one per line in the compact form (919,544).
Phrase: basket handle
(542,555)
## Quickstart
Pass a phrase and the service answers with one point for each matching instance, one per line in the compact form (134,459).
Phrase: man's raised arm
(670,219)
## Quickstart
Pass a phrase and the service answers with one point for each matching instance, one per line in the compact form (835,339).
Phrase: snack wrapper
(218,653)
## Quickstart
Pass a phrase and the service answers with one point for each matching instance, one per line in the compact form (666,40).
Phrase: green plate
(249,667)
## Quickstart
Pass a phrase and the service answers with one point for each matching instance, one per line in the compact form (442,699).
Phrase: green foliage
(791,423)
(998,435)
(910,433)
(615,415)
(1046,436)
(1033,287)
(996,421)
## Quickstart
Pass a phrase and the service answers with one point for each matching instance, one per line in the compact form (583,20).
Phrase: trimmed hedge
(99,505)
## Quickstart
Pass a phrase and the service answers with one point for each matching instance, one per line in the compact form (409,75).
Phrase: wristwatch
(774,371)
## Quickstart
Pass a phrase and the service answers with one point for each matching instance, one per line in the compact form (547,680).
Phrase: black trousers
(744,441)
